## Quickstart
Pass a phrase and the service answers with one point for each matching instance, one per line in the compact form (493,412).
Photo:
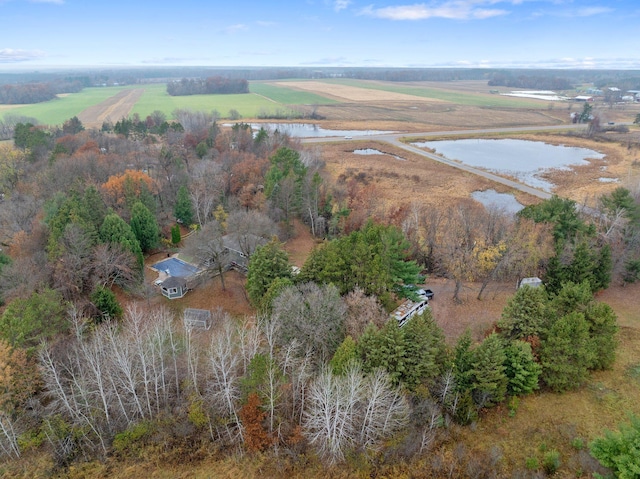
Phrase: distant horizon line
(38,68)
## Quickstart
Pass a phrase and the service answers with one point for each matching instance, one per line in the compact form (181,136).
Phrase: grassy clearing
(288,96)
(452,96)
(57,111)
(155,97)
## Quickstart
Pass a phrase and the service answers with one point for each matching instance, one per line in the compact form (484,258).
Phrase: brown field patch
(112,109)
(426,116)
(353,93)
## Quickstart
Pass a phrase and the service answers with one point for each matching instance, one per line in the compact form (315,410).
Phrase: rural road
(395,139)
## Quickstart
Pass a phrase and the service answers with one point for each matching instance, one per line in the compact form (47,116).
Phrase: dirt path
(113,109)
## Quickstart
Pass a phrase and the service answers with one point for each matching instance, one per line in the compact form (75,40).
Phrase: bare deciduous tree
(314,316)
(362,310)
(352,412)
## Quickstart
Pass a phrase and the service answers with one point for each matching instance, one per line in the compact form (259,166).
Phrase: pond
(373,151)
(311,130)
(523,159)
(491,199)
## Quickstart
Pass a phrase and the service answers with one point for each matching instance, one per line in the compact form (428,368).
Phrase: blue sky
(315,33)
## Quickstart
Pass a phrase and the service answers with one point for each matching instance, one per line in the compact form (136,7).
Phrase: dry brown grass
(357,94)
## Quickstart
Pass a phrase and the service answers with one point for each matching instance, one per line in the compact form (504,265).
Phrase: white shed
(534,282)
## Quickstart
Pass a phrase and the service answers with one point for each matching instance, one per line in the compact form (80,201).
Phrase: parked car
(425,293)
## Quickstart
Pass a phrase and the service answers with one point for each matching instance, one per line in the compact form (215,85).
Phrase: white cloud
(10,55)
(550,63)
(341,4)
(590,11)
(238,27)
(453,10)
(574,12)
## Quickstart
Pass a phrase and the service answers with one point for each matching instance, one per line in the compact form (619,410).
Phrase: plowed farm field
(112,109)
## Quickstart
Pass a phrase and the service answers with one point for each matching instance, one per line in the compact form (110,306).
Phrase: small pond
(523,159)
(311,130)
(373,151)
(491,199)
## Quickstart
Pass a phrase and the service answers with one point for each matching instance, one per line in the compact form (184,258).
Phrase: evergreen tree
(267,263)
(175,234)
(620,450)
(374,258)
(106,302)
(571,297)
(566,353)
(463,361)
(521,368)
(94,207)
(115,230)
(144,226)
(384,348)
(554,276)
(603,328)
(602,269)
(345,357)
(489,377)
(183,209)
(525,314)
(26,322)
(581,267)
(412,355)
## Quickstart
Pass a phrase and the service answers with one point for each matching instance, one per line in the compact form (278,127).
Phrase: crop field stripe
(459,98)
(289,96)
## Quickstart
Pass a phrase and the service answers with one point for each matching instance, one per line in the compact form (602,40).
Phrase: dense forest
(93,368)
(216,85)
(534,82)
(23,93)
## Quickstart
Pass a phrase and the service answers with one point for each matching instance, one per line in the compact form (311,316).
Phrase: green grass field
(288,96)
(56,112)
(263,98)
(156,97)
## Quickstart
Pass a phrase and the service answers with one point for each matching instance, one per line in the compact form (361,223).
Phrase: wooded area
(93,368)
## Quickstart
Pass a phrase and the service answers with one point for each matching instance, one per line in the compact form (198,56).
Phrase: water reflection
(312,130)
(491,199)
(523,159)
(373,151)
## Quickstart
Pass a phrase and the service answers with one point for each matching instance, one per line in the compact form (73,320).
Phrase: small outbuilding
(197,319)
(174,287)
(534,282)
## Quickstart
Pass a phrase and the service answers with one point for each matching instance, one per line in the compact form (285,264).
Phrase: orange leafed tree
(252,416)
(119,188)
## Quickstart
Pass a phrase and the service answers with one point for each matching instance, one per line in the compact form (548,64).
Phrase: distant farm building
(583,98)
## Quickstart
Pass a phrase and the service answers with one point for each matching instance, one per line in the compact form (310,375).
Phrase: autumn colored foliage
(252,416)
(131,184)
